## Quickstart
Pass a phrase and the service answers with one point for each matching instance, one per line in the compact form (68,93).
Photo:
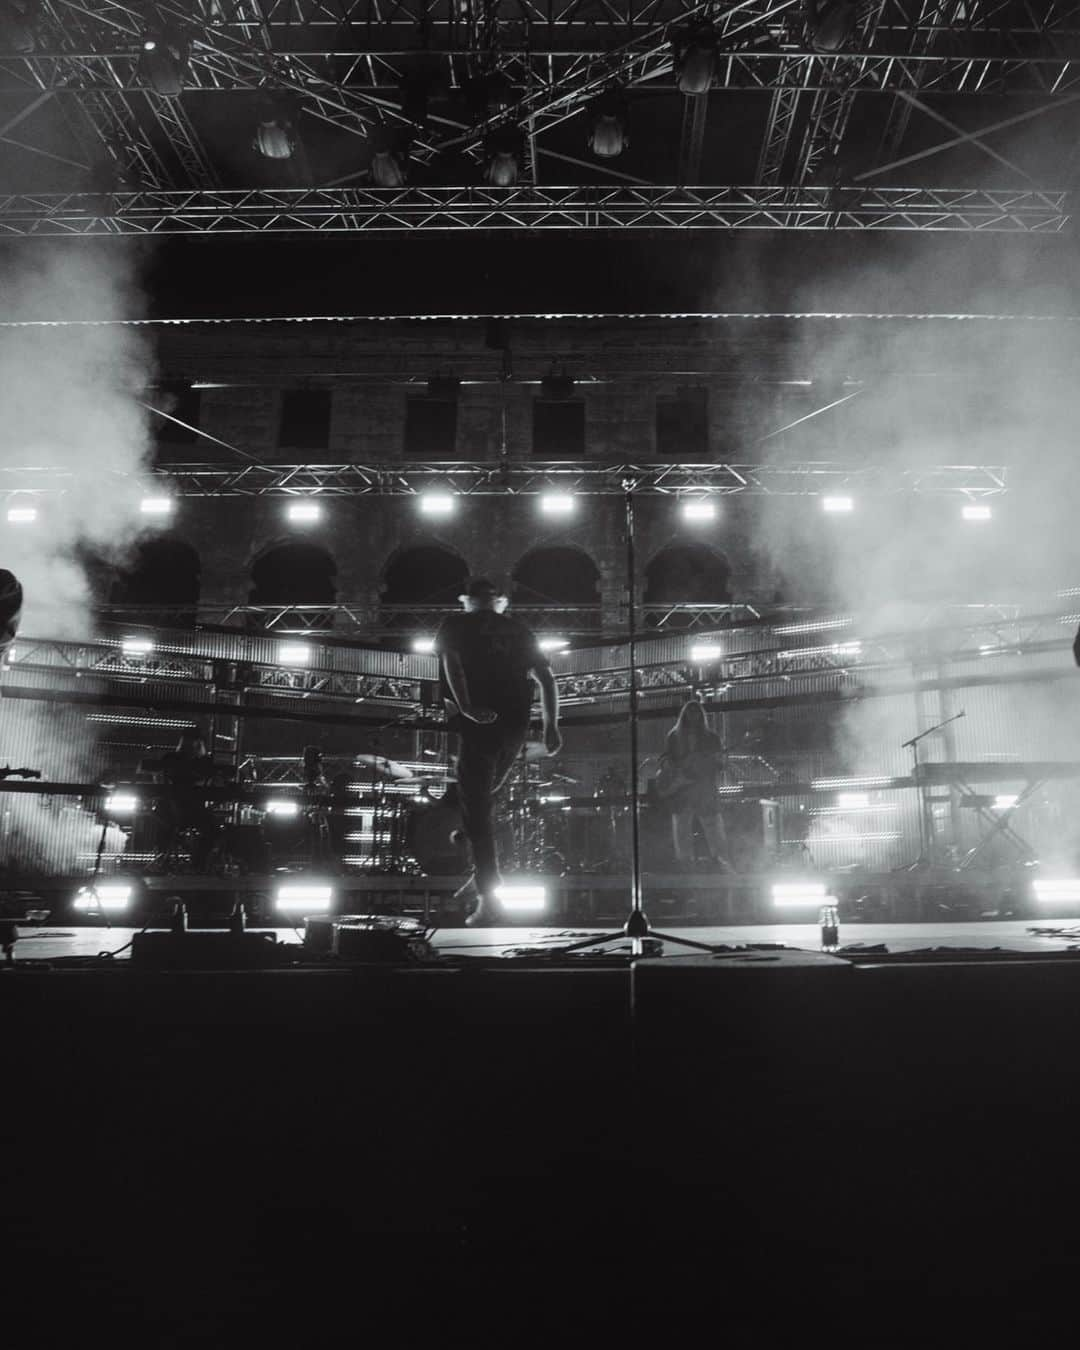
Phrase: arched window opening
(685,574)
(561,588)
(298,577)
(423,578)
(160,585)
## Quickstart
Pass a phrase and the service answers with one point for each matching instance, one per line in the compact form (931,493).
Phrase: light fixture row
(698,510)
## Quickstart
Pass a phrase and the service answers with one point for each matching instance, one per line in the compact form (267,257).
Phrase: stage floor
(53,941)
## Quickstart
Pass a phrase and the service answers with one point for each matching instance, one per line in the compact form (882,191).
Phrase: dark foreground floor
(731,1144)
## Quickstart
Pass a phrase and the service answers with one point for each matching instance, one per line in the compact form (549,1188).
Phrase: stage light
(976,511)
(705,651)
(1005,801)
(121,804)
(553,644)
(162,64)
(607,125)
(437,504)
(157,506)
(795,893)
(835,505)
(503,158)
(387,170)
(303,513)
(698,509)
(1057,891)
(274,134)
(423,646)
(135,646)
(112,897)
(22,515)
(852,801)
(283,808)
(827,784)
(695,61)
(522,898)
(832,24)
(294,654)
(303,898)
(557,503)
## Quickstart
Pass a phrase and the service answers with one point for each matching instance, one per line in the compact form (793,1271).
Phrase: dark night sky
(466,273)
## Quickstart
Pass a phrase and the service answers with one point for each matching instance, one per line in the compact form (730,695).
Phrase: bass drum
(428,839)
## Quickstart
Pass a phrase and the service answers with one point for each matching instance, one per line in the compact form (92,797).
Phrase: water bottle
(830,928)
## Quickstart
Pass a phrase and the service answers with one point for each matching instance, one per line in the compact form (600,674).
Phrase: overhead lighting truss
(510,478)
(349,210)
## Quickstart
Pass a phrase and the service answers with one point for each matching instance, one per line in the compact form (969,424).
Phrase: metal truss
(438,210)
(510,478)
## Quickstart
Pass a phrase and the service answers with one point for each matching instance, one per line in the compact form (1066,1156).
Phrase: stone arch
(161,583)
(426,573)
(558,576)
(298,574)
(687,573)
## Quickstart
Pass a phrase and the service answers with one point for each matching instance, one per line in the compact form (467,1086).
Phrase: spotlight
(303,513)
(976,511)
(698,508)
(796,893)
(22,515)
(96,898)
(553,644)
(852,801)
(303,898)
(274,134)
(503,161)
(134,646)
(607,125)
(836,504)
(423,646)
(162,64)
(705,651)
(283,808)
(437,504)
(832,24)
(1005,801)
(157,506)
(1057,891)
(121,804)
(294,654)
(557,504)
(387,170)
(695,61)
(522,898)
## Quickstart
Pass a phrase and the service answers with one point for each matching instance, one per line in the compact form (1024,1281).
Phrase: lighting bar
(423,646)
(705,651)
(282,807)
(836,505)
(122,804)
(852,801)
(294,654)
(1005,801)
(1057,891)
(698,509)
(520,898)
(97,898)
(976,511)
(553,644)
(125,721)
(786,893)
(856,837)
(812,626)
(439,504)
(839,784)
(303,897)
(557,504)
(303,513)
(134,646)
(22,515)
(157,506)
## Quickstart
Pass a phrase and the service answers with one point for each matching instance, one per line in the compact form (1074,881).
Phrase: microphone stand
(636,927)
(925,831)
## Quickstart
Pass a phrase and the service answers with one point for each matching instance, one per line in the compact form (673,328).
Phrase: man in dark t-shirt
(488,664)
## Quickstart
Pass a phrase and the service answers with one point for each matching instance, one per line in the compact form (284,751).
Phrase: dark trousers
(486,754)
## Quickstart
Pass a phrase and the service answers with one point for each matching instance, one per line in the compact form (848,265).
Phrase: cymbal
(382,767)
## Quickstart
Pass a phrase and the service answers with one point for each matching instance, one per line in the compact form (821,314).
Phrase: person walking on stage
(693,756)
(488,664)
